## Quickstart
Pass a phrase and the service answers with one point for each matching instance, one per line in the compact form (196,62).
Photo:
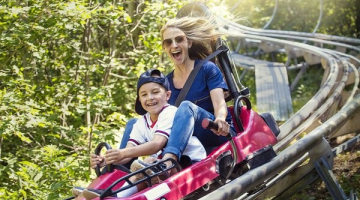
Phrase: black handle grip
(209,124)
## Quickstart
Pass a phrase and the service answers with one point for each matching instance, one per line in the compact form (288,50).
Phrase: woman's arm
(121,156)
(220,111)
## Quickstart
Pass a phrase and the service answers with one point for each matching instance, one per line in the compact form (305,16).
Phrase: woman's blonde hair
(200,30)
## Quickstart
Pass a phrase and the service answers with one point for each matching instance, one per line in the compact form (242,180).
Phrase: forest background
(68,72)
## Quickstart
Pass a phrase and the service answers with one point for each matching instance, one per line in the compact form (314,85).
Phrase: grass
(346,169)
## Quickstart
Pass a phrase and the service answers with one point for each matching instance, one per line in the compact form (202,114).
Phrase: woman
(186,41)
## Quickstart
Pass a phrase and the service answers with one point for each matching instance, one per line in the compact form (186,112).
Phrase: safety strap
(193,74)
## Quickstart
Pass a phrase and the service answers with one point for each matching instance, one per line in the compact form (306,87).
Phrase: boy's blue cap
(146,77)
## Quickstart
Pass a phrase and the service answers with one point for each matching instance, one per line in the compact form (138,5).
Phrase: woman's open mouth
(176,54)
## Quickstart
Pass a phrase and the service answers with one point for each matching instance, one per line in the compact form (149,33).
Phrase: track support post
(326,174)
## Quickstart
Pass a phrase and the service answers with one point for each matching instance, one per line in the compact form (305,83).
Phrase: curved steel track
(330,113)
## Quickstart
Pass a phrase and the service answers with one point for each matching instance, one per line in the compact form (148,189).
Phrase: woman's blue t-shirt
(208,78)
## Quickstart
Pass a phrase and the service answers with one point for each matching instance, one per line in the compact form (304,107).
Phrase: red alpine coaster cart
(248,148)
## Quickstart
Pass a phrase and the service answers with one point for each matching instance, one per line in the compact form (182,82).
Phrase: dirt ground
(346,169)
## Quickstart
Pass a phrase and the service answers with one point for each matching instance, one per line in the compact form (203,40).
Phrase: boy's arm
(148,148)
(114,156)
(121,156)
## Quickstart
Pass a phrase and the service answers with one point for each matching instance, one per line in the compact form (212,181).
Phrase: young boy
(149,134)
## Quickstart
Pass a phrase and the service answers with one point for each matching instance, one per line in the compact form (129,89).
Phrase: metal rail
(331,60)
(253,178)
(320,118)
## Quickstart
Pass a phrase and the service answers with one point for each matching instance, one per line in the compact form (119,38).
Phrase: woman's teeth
(176,53)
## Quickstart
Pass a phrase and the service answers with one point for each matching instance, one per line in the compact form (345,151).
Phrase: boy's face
(153,97)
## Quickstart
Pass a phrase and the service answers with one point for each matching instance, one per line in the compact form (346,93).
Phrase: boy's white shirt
(144,130)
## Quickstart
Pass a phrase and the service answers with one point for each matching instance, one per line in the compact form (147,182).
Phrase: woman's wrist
(220,117)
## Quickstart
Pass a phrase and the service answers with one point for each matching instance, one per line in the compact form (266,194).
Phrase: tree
(68,76)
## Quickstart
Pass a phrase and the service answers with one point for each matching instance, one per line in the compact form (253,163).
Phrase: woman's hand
(224,127)
(96,160)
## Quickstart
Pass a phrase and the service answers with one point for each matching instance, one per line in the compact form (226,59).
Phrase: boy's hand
(96,160)
(113,156)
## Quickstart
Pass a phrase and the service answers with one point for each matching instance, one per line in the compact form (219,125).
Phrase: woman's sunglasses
(178,39)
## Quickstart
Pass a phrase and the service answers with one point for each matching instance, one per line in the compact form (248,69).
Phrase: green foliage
(340,17)
(308,85)
(68,75)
